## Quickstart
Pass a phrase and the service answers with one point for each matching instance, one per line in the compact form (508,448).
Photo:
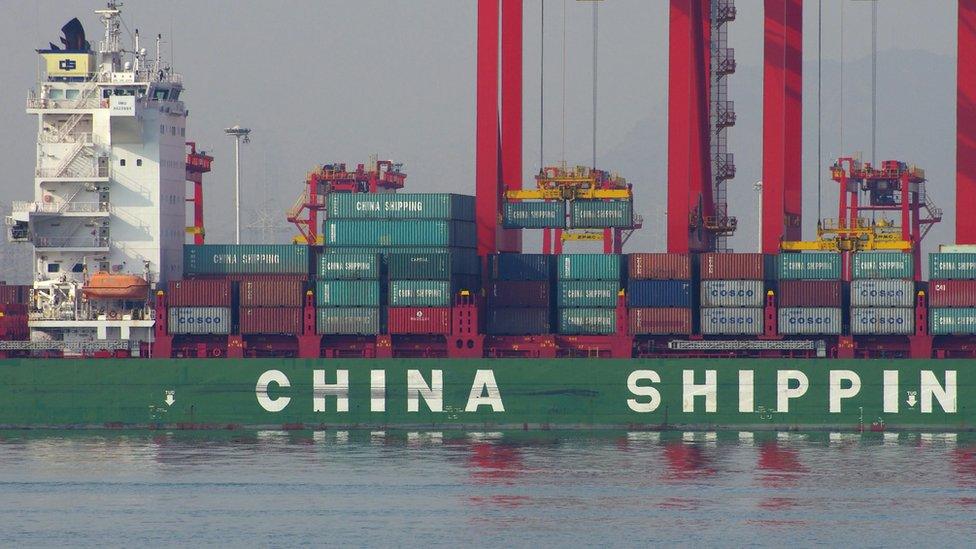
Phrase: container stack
(348,294)
(586,293)
(952,293)
(429,241)
(519,294)
(659,294)
(882,294)
(732,293)
(810,297)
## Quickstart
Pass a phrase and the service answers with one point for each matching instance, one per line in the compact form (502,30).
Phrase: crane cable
(564,86)
(542,82)
(819,109)
(596,28)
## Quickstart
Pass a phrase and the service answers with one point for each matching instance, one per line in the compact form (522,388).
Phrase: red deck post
(920,344)
(162,340)
(235,346)
(966,124)
(309,342)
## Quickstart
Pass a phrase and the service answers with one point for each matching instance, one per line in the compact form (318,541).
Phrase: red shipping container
(729,266)
(952,293)
(660,321)
(243,277)
(13,294)
(810,293)
(518,293)
(272,292)
(659,266)
(419,320)
(199,292)
(271,320)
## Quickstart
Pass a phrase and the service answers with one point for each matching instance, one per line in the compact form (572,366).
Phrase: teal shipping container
(587,293)
(882,265)
(401,232)
(952,321)
(534,215)
(348,266)
(587,320)
(952,266)
(401,206)
(234,259)
(589,267)
(348,293)
(600,214)
(440,265)
(809,266)
(348,320)
(429,293)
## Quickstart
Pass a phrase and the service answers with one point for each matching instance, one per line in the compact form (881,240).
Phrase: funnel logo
(67,64)
(420,314)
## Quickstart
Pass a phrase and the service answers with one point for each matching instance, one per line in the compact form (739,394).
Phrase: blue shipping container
(520,266)
(659,293)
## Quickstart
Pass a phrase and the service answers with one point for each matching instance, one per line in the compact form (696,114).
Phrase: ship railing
(34,102)
(70,242)
(93,171)
(76,346)
(87,139)
(70,207)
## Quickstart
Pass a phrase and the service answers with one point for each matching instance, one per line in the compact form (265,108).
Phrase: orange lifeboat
(104,285)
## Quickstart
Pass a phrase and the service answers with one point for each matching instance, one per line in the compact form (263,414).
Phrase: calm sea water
(452,488)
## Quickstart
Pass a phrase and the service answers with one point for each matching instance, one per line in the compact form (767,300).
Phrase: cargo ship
(420,310)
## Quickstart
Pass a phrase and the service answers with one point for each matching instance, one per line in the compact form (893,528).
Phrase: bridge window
(71,94)
(78,268)
(122,162)
(138,162)
(53,267)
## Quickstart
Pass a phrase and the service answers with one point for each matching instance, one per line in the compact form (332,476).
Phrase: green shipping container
(233,259)
(599,214)
(348,293)
(428,293)
(348,266)
(589,267)
(580,321)
(587,293)
(952,266)
(809,266)
(348,320)
(882,265)
(401,206)
(403,232)
(534,215)
(952,321)
(433,266)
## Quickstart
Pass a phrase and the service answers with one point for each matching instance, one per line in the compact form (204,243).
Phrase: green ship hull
(844,395)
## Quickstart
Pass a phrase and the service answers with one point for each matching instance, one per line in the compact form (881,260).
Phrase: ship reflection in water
(557,487)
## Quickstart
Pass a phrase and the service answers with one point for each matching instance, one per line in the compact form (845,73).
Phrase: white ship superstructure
(108,217)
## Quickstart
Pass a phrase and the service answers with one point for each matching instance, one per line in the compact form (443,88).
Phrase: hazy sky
(322,81)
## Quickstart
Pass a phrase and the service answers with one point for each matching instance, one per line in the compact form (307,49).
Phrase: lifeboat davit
(104,285)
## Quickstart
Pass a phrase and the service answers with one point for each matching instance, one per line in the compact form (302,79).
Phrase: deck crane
(197,164)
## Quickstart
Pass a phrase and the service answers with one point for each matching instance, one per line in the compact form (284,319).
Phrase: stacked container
(659,294)
(586,293)
(200,306)
(422,282)
(348,294)
(519,294)
(732,293)
(810,295)
(952,293)
(882,294)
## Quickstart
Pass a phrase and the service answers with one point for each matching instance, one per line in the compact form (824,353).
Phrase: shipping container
(809,266)
(810,321)
(514,266)
(348,266)
(587,293)
(600,214)
(348,320)
(199,320)
(428,293)
(519,293)
(952,293)
(660,321)
(433,266)
(659,266)
(882,321)
(952,266)
(810,293)
(519,321)
(891,292)
(263,292)
(401,206)
(271,320)
(957,248)
(402,232)
(348,293)
(587,321)
(14,294)
(731,266)
(952,321)
(589,266)
(534,215)
(659,293)
(202,292)
(732,293)
(731,321)
(224,259)
(882,265)
(418,320)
